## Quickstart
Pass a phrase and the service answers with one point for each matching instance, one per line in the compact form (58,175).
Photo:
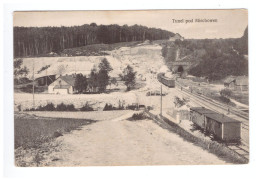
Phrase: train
(222,127)
(169,82)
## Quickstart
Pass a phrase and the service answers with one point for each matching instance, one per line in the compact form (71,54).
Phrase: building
(45,80)
(238,83)
(63,85)
(177,36)
(241,83)
(222,127)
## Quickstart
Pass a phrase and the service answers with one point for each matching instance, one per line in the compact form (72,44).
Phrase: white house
(63,85)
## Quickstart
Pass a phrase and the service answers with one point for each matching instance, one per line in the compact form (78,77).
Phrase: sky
(229,23)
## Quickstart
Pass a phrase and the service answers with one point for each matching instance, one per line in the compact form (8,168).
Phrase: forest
(32,41)
(213,58)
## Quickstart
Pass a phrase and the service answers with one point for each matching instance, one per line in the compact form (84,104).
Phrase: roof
(70,79)
(221,118)
(214,115)
(242,80)
(177,35)
(202,110)
(61,86)
(229,79)
(239,80)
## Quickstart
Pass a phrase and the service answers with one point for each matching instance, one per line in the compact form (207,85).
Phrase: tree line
(30,41)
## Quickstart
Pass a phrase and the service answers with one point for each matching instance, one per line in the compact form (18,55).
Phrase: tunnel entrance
(180,69)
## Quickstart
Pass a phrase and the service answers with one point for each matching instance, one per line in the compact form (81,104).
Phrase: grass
(241,97)
(32,131)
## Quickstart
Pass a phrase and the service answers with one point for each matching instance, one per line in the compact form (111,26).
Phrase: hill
(213,58)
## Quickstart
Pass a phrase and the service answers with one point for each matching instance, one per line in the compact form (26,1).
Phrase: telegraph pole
(33,85)
(161,100)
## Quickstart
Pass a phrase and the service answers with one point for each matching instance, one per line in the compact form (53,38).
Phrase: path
(123,142)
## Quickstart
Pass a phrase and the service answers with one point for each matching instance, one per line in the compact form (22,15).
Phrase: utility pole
(33,85)
(161,100)
(46,78)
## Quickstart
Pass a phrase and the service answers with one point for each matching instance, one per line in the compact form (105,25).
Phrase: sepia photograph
(130,88)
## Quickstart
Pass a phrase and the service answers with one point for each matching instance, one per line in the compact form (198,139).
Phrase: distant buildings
(63,85)
(177,36)
(238,83)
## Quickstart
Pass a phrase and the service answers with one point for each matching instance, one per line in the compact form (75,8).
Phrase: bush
(64,107)
(225,100)
(61,107)
(70,107)
(49,107)
(226,92)
(139,116)
(109,107)
(86,107)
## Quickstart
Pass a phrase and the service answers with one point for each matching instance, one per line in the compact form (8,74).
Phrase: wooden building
(221,126)
(63,85)
(237,83)
(45,80)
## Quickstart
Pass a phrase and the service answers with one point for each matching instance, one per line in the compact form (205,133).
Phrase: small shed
(229,82)
(238,83)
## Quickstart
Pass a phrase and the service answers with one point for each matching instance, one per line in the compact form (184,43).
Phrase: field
(36,135)
(31,131)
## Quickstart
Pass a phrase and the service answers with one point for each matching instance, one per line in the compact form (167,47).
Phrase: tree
(81,83)
(103,74)
(43,68)
(225,92)
(114,81)
(93,84)
(105,65)
(29,41)
(20,73)
(128,77)
(178,102)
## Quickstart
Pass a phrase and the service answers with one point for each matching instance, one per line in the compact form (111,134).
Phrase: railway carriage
(220,126)
(170,82)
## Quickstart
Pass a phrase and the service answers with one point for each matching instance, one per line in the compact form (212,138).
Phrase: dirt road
(123,142)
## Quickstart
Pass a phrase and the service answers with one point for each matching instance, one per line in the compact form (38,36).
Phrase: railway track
(218,108)
(234,111)
(211,106)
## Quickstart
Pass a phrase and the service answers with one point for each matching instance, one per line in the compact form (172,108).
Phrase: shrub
(49,107)
(226,92)
(225,100)
(61,107)
(139,116)
(86,107)
(70,107)
(109,107)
